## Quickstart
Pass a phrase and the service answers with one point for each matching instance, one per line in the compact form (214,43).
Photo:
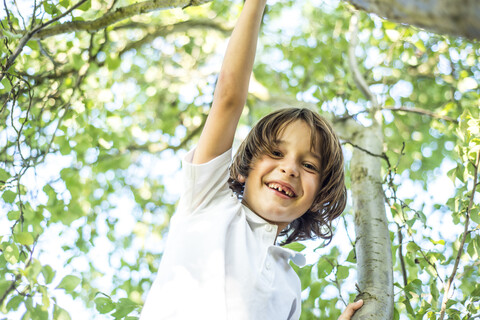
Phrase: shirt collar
(296,257)
(254,218)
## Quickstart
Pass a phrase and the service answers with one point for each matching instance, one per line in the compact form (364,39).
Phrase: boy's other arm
(232,85)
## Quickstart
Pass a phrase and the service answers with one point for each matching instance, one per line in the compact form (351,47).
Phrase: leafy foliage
(92,125)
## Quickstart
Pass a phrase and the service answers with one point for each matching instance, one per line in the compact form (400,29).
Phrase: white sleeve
(204,182)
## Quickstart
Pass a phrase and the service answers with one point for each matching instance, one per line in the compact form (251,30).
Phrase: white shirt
(220,260)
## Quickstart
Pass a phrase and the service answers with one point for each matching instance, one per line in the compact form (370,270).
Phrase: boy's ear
(241,178)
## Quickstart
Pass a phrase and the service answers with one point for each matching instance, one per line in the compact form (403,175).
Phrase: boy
(220,260)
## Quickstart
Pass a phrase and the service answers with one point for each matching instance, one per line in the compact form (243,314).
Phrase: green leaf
(9,196)
(408,306)
(60,314)
(475,215)
(305,275)
(4,175)
(476,245)
(87,5)
(442,242)
(324,268)
(33,270)
(65,3)
(434,292)
(419,44)
(296,246)
(389,25)
(113,62)
(415,286)
(50,8)
(352,256)
(104,304)
(69,283)
(124,307)
(342,272)
(24,238)
(47,7)
(4,285)
(11,253)
(412,247)
(14,302)
(45,297)
(48,273)
(11,36)
(471,250)
(13,215)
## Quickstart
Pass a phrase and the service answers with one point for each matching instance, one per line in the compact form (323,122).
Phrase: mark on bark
(359,174)
(365,296)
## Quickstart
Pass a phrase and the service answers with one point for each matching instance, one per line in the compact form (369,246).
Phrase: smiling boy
(281,186)
(221,260)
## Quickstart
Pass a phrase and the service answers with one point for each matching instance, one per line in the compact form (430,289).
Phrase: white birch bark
(458,18)
(372,245)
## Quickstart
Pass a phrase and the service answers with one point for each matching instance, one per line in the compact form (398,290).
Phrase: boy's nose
(289,168)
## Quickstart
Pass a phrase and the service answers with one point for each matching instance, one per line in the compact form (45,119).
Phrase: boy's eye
(310,166)
(277,153)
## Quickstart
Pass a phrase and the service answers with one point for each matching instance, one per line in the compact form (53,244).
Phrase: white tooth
(280,189)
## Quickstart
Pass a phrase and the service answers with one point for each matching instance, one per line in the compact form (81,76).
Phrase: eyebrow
(312,153)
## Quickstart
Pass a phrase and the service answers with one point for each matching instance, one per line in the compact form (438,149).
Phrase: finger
(357,305)
(350,310)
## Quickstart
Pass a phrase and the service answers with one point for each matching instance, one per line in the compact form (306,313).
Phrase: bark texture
(373,245)
(458,18)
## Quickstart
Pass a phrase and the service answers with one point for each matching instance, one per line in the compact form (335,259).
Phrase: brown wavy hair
(331,199)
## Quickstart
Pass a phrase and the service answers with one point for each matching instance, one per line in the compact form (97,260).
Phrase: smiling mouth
(283,189)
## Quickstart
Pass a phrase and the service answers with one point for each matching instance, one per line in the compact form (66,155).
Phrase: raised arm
(232,85)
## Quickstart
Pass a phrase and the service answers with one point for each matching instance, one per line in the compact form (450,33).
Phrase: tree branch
(116,15)
(441,16)
(27,36)
(464,236)
(160,31)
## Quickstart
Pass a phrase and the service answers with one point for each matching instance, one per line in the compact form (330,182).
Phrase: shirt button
(268,266)
(268,228)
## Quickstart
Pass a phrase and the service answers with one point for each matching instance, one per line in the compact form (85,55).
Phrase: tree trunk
(373,245)
(458,18)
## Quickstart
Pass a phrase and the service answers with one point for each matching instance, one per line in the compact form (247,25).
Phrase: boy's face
(282,187)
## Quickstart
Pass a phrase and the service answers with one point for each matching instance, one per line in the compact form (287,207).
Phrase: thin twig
(400,255)
(382,156)
(407,109)
(357,75)
(422,111)
(34,18)
(23,41)
(464,236)
(346,230)
(8,15)
(337,283)
(20,14)
(13,284)
(47,54)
